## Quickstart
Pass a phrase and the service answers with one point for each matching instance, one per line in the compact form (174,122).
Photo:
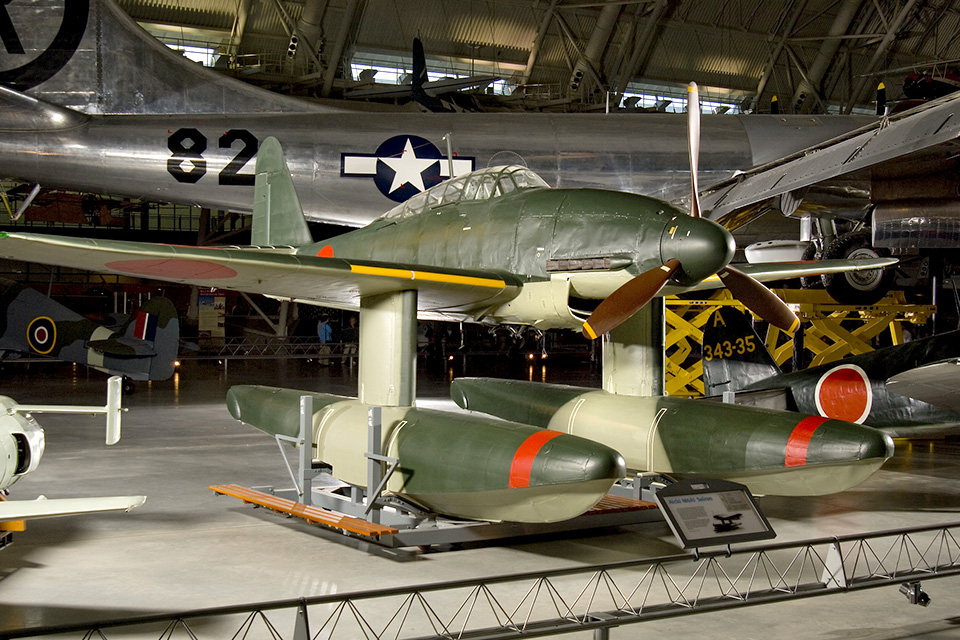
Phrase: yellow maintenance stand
(830,331)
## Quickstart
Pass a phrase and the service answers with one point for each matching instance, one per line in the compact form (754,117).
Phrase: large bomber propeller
(700,249)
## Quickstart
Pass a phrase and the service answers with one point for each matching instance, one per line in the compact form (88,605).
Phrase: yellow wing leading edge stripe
(411,274)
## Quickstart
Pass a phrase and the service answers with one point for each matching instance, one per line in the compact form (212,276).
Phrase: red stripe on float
(799,440)
(523,458)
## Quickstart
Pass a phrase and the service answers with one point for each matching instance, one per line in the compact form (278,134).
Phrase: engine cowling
(21,444)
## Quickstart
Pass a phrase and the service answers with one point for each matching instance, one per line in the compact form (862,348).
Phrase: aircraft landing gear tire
(812,252)
(128,386)
(857,287)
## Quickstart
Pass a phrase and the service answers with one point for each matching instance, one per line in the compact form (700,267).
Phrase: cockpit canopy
(484,184)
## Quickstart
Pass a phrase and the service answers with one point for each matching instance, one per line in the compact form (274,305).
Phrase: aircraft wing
(906,143)
(447,85)
(769,271)
(433,88)
(43,508)
(275,272)
(935,383)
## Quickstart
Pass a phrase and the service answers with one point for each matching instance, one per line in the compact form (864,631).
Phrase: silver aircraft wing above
(907,144)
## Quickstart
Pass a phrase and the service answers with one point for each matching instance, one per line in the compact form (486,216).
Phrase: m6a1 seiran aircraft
(496,245)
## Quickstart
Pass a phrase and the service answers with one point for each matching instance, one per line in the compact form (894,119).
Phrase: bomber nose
(703,248)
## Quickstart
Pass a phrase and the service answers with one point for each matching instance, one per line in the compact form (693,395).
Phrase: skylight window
(204,55)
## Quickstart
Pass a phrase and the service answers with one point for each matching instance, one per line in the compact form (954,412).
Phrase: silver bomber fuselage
(187,159)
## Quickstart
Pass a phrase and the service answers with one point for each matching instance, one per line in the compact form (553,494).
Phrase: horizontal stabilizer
(121,347)
(19,112)
(43,508)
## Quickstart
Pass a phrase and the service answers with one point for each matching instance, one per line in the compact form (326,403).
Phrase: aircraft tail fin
(31,323)
(277,214)
(734,356)
(90,56)
(419,77)
(156,324)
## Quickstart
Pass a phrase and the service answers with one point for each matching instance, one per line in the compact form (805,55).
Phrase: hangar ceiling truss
(814,55)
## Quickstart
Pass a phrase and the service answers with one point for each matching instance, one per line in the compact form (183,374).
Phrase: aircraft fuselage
(538,232)
(338,159)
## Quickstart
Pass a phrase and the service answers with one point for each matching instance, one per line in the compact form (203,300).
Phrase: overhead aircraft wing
(447,85)
(433,88)
(770,271)
(276,272)
(935,383)
(897,144)
(43,508)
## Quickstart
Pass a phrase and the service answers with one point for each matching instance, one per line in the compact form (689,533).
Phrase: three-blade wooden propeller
(636,293)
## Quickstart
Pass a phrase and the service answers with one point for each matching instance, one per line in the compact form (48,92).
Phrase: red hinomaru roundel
(844,393)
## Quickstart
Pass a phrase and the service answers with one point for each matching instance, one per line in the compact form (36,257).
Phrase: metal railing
(254,346)
(576,599)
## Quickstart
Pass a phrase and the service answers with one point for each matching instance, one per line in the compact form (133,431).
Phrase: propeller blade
(693,145)
(628,299)
(756,297)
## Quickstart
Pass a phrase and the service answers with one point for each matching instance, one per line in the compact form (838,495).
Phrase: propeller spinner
(692,249)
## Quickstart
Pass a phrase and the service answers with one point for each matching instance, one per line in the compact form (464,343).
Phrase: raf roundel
(844,393)
(42,335)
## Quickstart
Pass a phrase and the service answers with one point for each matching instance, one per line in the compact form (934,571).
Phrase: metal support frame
(879,54)
(376,477)
(303,478)
(418,527)
(643,43)
(346,26)
(831,331)
(808,90)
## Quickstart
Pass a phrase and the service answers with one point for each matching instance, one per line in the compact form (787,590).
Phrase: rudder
(734,356)
(277,214)
(157,323)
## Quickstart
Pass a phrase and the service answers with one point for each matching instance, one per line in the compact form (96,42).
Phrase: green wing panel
(280,273)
